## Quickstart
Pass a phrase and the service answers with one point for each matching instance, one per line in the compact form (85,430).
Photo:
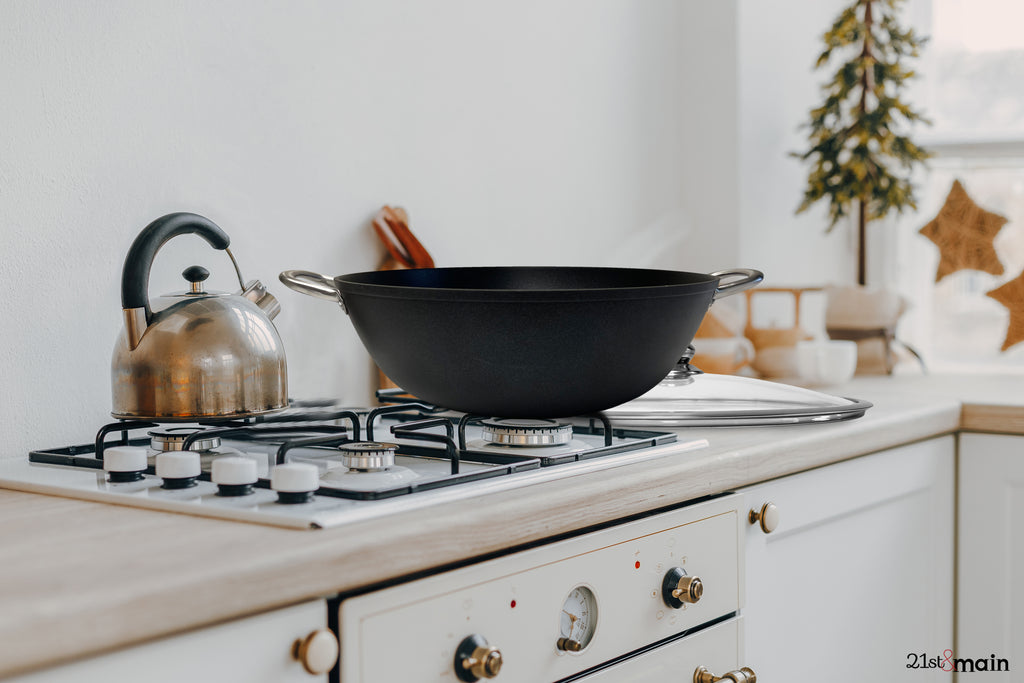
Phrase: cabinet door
(990,566)
(856,582)
(255,650)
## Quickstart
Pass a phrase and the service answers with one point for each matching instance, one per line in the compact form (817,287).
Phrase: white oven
(652,599)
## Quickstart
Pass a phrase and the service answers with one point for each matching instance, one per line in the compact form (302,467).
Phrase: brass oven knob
(679,588)
(767,517)
(744,675)
(475,659)
(317,652)
(569,645)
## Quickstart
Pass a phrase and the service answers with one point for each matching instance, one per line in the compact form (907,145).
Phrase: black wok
(525,341)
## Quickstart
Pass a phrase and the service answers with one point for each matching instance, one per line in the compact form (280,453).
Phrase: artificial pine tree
(856,153)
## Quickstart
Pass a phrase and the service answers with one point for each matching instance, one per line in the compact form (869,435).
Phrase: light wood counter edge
(995,419)
(162,586)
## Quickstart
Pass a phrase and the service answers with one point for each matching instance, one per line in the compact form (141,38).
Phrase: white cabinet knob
(767,517)
(317,652)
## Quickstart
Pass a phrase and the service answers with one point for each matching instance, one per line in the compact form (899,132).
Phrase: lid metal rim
(856,408)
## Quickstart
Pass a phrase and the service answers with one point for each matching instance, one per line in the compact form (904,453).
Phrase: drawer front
(412,632)
(256,650)
(718,649)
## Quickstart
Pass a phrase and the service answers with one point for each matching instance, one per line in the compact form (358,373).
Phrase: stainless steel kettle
(196,354)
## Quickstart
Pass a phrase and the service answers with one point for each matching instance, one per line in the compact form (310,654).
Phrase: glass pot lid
(689,397)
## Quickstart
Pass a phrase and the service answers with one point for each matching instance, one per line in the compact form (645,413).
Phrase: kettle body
(196,355)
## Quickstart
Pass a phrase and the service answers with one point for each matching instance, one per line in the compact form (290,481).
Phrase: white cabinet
(257,649)
(990,564)
(857,578)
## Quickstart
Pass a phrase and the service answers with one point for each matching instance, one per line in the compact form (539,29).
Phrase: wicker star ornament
(1011,295)
(964,233)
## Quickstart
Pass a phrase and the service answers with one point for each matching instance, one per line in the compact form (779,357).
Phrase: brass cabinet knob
(744,675)
(475,659)
(317,652)
(767,517)
(679,588)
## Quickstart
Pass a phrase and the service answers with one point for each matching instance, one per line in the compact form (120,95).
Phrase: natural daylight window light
(972,84)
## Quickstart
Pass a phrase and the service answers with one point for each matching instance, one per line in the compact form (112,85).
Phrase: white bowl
(826,361)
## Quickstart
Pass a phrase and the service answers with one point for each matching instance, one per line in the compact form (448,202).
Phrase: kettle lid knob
(196,275)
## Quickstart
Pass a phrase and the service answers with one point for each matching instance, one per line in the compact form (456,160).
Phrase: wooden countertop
(78,578)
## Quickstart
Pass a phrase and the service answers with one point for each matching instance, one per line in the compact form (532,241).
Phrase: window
(973,90)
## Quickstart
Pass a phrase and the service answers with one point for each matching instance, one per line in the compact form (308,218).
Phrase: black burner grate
(424,432)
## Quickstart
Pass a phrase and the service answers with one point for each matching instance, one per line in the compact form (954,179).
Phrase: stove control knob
(234,475)
(124,463)
(679,588)
(317,652)
(178,469)
(475,659)
(767,517)
(744,675)
(294,482)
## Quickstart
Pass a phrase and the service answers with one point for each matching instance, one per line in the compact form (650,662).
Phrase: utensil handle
(313,284)
(748,278)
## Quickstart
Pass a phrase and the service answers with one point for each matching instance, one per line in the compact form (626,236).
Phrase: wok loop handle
(748,278)
(313,284)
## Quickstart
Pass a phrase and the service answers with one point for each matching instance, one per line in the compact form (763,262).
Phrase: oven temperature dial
(679,588)
(578,620)
(475,659)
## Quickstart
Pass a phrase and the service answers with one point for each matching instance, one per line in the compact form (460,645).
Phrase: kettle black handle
(135,276)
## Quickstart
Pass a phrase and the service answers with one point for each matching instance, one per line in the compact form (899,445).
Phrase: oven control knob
(744,675)
(234,475)
(767,517)
(124,463)
(178,469)
(679,588)
(317,652)
(294,482)
(475,659)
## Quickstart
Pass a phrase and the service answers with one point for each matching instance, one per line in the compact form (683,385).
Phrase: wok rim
(704,284)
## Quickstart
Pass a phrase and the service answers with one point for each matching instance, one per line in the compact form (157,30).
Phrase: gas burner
(512,432)
(368,456)
(166,439)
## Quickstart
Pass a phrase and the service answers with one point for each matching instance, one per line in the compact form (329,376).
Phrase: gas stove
(317,464)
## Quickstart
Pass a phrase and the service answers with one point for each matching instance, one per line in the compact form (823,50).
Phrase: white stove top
(333,494)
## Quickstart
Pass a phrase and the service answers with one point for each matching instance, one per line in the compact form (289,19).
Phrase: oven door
(563,610)
(718,649)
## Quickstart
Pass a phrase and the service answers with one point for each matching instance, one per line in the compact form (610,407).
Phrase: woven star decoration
(964,233)
(1011,295)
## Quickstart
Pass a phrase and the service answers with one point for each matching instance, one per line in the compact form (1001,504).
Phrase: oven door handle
(744,675)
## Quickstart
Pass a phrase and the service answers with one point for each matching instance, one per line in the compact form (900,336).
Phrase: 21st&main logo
(947,662)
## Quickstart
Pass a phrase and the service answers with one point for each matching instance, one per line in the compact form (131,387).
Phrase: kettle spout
(134,325)
(255,292)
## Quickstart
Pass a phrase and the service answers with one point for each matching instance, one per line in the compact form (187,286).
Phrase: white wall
(575,132)
(779,43)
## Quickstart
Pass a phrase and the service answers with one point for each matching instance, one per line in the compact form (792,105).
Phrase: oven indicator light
(637,565)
